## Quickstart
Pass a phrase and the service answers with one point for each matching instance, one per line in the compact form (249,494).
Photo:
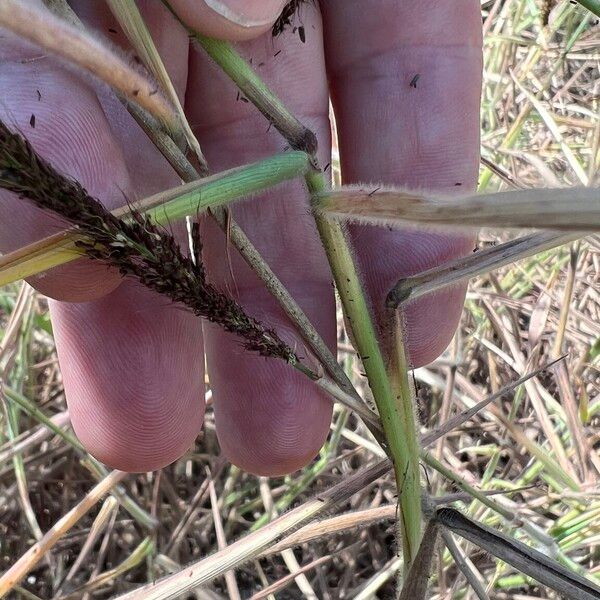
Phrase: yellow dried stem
(570,209)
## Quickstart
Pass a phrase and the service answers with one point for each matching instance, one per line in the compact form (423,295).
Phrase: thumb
(235,20)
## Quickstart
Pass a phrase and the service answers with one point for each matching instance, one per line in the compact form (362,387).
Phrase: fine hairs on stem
(136,247)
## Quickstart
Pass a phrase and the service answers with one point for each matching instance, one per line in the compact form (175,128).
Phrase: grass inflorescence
(136,246)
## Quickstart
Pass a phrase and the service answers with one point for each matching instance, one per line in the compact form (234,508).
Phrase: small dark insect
(414,80)
(32,121)
(287,16)
(326,167)
(302,34)
(458,183)
(277,53)
(112,30)
(39,94)
(237,97)
(375,190)
(136,92)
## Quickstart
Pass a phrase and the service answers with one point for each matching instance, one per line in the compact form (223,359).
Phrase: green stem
(215,191)
(255,90)
(591,5)
(391,400)
(195,197)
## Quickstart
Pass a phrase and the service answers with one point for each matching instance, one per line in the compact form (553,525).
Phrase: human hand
(132,364)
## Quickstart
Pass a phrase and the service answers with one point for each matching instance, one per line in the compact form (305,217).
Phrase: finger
(63,118)
(406,100)
(236,20)
(270,420)
(71,132)
(148,170)
(132,362)
(133,373)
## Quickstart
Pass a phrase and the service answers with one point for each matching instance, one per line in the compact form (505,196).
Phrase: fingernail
(248,13)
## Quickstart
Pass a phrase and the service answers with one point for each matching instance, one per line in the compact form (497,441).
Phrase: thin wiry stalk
(461,563)
(136,247)
(294,131)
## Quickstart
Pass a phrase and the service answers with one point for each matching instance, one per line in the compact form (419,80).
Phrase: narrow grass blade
(189,199)
(522,557)
(569,209)
(136,30)
(475,264)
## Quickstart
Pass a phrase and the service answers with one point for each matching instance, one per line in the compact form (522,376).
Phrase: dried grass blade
(555,131)
(136,30)
(287,580)
(465,415)
(475,264)
(101,522)
(520,556)
(569,209)
(70,43)
(230,581)
(32,557)
(139,553)
(173,586)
